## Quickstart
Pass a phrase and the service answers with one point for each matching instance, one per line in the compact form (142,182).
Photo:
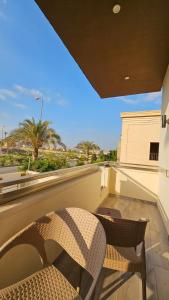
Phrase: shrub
(112,155)
(81,160)
(101,157)
(93,158)
(80,163)
(11,160)
(44,164)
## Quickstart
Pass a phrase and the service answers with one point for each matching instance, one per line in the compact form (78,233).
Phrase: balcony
(96,36)
(153,156)
(123,188)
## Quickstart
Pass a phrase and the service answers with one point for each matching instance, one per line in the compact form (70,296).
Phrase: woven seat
(80,234)
(123,237)
(122,258)
(47,284)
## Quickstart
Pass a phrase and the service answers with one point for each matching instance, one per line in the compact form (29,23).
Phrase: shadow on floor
(104,292)
(111,212)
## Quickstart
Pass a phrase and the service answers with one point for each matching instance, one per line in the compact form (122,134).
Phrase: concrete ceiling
(109,47)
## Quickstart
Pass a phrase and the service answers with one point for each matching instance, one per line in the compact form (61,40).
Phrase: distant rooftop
(145,113)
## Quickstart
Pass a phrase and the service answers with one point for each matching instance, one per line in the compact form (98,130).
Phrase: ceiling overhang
(120,54)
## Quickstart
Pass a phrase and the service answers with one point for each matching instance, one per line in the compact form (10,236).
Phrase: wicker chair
(123,236)
(80,234)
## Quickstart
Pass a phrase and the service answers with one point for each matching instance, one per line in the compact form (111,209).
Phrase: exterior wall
(86,192)
(164,157)
(134,183)
(138,130)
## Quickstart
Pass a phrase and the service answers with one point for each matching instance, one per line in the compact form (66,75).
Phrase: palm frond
(36,134)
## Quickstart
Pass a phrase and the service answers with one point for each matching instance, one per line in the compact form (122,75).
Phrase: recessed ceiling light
(126,77)
(116,8)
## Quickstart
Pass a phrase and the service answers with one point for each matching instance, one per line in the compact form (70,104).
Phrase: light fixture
(164,121)
(116,8)
(127,77)
(37,97)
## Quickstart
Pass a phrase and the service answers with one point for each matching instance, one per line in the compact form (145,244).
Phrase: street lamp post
(3,127)
(41,109)
(2,137)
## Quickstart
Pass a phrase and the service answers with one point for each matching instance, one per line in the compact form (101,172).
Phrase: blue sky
(34,61)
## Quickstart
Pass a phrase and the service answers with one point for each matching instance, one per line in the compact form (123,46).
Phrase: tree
(101,156)
(113,155)
(87,147)
(35,134)
(93,158)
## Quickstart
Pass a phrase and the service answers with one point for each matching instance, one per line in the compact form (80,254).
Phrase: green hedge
(43,164)
(11,160)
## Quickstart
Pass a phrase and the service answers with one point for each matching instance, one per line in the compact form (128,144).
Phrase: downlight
(116,8)
(127,77)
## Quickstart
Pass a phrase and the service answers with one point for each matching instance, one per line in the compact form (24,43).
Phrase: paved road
(7,170)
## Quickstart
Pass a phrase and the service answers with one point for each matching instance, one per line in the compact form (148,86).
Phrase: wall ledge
(24,186)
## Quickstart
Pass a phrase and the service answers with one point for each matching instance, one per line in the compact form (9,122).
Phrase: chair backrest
(77,231)
(123,232)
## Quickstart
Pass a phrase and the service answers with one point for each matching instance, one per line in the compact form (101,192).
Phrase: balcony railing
(12,189)
(153,156)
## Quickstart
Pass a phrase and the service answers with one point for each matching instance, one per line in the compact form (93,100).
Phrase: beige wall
(134,183)
(164,157)
(138,130)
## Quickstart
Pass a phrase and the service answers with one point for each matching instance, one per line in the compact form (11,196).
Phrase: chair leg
(143,277)
(93,294)
(143,273)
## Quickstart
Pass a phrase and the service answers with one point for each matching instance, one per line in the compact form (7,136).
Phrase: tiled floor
(157,254)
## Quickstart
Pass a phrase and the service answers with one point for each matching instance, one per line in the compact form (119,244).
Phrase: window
(154,150)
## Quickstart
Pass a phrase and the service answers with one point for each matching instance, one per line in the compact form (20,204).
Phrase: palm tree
(87,147)
(35,134)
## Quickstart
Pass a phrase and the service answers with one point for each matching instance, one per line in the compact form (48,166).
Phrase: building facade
(140,137)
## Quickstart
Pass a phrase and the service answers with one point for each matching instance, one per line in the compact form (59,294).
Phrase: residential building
(140,137)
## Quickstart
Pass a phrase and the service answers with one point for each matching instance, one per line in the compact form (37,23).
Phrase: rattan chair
(80,234)
(123,238)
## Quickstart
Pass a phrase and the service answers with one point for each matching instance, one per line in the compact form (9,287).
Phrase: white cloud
(20,105)
(152,96)
(20,92)
(7,93)
(128,100)
(31,93)
(142,99)
(28,92)
(34,93)
(61,102)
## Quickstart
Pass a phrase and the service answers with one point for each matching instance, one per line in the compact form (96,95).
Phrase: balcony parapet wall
(14,189)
